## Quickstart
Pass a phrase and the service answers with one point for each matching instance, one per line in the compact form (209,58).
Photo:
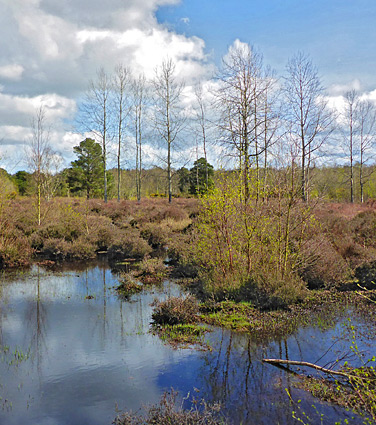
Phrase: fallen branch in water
(307,364)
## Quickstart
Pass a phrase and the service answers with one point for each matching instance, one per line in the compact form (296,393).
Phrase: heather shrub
(128,285)
(363,226)
(321,264)
(81,248)
(173,212)
(100,231)
(153,267)
(62,249)
(14,249)
(157,234)
(130,243)
(56,248)
(176,310)
(115,210)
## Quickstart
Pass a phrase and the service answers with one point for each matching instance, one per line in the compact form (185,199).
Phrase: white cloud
(341,89)
(52,48)
(11,72)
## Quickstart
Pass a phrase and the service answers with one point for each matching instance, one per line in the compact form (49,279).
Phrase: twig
(312,365)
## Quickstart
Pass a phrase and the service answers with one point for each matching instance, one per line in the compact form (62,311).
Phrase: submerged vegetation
(352,384)
(167,412)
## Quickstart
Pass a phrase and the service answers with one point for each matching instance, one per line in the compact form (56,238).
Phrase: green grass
(183,335)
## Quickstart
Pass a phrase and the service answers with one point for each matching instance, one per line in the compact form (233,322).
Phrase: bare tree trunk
(351,107)
(366,118)
(40,155)
(168,119)
(138,88)
(121,81)
(311,122)
(201,115)
(95,115)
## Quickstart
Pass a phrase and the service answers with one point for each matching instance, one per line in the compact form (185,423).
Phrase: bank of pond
(86,342)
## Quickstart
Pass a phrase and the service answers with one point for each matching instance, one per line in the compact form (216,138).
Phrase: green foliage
(183,176)
(22,180)
(201,177)
(249,246)
(356,391)
(183,335)
(87,171)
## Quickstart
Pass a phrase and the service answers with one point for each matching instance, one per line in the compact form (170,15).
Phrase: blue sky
(51,49)
(340,36)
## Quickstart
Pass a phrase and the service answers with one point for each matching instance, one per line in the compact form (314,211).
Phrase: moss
(183,335)
(320,309)
(128,286)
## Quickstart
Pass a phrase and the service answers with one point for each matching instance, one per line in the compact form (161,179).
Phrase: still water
(73,353)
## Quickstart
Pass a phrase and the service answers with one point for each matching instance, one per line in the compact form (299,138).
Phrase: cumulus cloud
(52,48)
(11,72)
(341,89)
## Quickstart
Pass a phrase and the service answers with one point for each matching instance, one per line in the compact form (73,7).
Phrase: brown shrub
(61,249)
(153,267)
(129,243)
(156,234)
(14,248)
(321,264)
(101,232)
(166,413)
(363,226)
(176,310)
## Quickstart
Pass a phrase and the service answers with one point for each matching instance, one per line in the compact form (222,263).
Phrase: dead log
(307,364)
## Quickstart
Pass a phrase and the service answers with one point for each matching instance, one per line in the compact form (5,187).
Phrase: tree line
(245,115)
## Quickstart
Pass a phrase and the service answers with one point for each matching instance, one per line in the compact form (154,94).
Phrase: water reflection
(90,352)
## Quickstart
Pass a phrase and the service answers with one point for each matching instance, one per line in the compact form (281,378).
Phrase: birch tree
(168,118)
(95,115)
(40,155)
(203,123)
(241,101)
(121,83)
(139,108)
(351,106)
(366,118)
(309,120)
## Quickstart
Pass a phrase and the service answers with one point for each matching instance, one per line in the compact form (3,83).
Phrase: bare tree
(120,83)
(241,99)
(201,118)
(95,117)
(139,105)
(40,155)
(271,122)
(366,118)
(168,117)
(351,106)
(309,119)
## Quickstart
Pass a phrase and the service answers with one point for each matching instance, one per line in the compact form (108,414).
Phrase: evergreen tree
(201,177)
(87,171)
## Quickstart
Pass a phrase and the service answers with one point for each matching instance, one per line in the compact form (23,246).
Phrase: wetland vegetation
(266,270)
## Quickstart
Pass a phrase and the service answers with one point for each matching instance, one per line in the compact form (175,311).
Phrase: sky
(50,49)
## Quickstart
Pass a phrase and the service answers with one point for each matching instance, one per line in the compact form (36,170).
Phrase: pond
(73,353)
